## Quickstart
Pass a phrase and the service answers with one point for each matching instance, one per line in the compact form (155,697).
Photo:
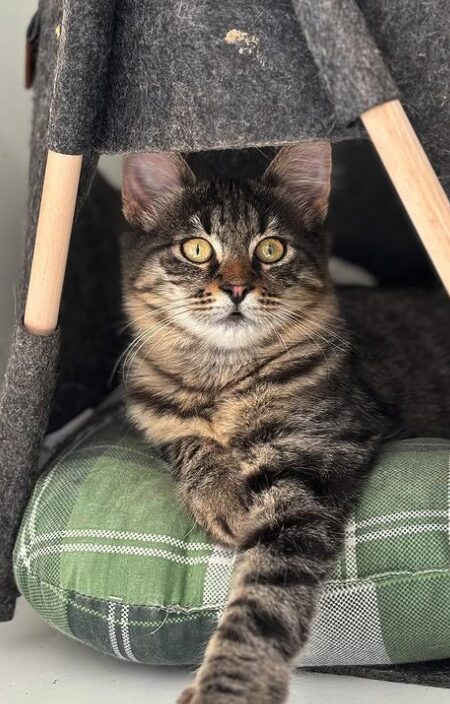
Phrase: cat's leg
(290,545)
(211,485)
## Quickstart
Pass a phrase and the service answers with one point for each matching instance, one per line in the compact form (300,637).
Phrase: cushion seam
(171,608)
(180,610)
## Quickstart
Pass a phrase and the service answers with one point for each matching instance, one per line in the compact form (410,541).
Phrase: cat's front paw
(194,695)
(239,678)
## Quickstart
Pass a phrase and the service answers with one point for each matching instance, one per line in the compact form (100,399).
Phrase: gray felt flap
(182,75)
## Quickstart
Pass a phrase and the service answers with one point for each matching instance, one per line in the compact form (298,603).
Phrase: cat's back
(402,348)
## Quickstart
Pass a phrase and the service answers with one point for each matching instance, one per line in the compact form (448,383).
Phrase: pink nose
(236,293)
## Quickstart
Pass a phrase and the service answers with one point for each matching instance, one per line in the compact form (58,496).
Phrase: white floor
(40,666)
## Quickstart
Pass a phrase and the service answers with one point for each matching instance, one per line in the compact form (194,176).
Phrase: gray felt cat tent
(130,76)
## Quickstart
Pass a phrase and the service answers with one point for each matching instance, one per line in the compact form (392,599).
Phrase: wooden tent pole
(54,228)
(414,179)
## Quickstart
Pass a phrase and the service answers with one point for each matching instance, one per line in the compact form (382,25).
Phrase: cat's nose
(237,293)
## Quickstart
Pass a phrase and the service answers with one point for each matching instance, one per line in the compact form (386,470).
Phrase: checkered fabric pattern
(107,555)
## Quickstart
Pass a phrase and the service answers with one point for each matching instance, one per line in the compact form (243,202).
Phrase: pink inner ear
(303,172)
(149,178)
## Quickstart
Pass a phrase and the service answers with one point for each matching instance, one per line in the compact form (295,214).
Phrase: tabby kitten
(244,373)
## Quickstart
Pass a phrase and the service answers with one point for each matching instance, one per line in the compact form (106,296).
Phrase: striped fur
(271,421)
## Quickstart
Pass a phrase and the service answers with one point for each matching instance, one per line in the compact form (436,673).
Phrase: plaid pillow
(107,555)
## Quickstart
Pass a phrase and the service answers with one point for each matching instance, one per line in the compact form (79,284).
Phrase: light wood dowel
(56,214)
(414,179)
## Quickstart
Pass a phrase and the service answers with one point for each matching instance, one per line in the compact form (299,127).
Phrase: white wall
(15,110)
(15,115)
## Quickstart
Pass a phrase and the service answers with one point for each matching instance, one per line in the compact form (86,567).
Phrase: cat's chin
(230,333)
(233,333)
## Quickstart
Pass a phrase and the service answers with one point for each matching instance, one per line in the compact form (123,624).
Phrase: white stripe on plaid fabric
(36,502)
(125,630)
(120,535)
(112,630)
(336,575)
(123,550)
(144,452)
(401,516)
(29,534)
(401,531)
(379,577)
(217,550)
(448,502)
(216,585)
(350,550)
(31,527)
(347,630)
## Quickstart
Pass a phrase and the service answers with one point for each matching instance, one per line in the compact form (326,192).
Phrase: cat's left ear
(150,180)
(302,173)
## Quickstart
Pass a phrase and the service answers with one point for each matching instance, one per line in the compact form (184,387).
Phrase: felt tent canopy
(176,75)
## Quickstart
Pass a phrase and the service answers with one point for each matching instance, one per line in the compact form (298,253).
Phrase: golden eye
(270,250)
(197,250)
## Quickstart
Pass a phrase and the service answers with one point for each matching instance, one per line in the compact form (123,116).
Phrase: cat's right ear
(150,180)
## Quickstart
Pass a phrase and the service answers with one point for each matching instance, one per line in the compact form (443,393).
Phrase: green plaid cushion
(107,555)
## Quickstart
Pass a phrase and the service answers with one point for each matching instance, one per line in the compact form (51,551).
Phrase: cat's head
(231,264)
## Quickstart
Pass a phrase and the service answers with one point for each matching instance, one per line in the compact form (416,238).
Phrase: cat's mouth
(236,316)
